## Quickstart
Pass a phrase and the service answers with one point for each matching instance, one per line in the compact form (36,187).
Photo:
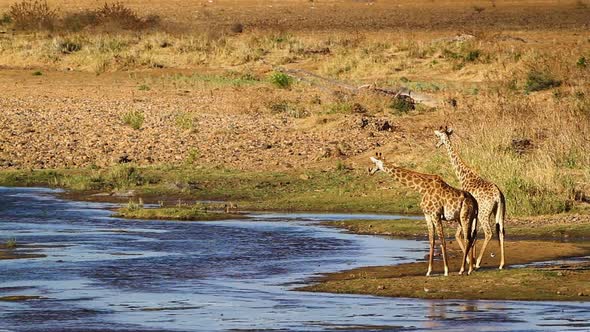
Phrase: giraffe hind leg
(484,220)
(431,240)
(443,245)
(500,231)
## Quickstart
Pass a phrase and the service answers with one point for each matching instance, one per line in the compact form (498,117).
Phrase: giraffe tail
(500,215)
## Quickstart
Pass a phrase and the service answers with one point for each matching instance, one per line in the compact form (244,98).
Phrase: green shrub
(37,73)
(5,18)
(123,176)
(134,119)
(539,80)
(402,105)
(582,62)
(144,87)
(472,55)
(280,80)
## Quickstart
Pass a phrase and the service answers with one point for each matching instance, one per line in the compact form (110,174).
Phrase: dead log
(332,85)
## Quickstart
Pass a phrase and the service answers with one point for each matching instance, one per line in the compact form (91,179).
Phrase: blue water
(108,274)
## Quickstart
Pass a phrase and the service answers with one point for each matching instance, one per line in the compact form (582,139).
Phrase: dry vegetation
(512,79)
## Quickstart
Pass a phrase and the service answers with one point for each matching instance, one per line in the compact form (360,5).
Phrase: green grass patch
(280,80)
(334,190)
(411,228)
(199,80)
(188,213)
(404,228)
(540,80)
(133,119)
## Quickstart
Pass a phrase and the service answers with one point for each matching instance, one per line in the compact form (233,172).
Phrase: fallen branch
(329,84)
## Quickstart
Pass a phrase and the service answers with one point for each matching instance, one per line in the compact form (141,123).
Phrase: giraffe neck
(410,179)
(463,172)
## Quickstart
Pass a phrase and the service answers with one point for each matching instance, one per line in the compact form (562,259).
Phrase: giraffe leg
(464,220)
(431,241)
(501,237)
(459,238)
(443,245)
(488,237)
(487,229)
(471,241)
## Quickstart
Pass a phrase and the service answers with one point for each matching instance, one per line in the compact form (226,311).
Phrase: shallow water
(108,274)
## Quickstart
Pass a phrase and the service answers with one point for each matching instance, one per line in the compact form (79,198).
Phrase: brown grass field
(190,89)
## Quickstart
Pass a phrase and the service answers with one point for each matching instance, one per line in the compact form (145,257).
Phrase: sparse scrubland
(196,104)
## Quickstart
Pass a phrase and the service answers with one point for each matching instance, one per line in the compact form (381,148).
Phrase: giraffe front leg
(431,241)
(443,245)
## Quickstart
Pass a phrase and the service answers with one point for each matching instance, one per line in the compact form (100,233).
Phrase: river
(107,274)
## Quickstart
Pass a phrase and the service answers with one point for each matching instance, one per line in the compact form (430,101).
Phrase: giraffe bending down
(490,199)
(440,202)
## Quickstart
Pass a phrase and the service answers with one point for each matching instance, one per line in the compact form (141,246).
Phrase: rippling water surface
(108,274)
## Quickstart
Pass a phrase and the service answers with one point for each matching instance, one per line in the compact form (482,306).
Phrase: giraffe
(439,202)
(489,197)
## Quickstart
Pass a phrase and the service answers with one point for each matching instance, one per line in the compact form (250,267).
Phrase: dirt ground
(560,281)
(356,15)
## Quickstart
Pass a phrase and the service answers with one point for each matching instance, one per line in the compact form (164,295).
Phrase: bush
(123,176)
(402,105)
(472,55)
(134,119)
(582,62)
(32,15)
(5,19)
(281,80)
(121,16)
(539,80)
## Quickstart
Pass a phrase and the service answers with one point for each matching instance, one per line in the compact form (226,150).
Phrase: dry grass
(523,82)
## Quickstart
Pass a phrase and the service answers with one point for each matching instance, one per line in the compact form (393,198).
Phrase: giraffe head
(378,164)
(443,134)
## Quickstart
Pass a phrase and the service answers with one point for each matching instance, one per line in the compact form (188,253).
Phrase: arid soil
(75,120)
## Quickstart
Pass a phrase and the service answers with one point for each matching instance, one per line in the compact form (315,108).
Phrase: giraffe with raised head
(490,199)
(439,202)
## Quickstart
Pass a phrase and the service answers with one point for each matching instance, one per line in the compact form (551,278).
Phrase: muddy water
(108,274)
